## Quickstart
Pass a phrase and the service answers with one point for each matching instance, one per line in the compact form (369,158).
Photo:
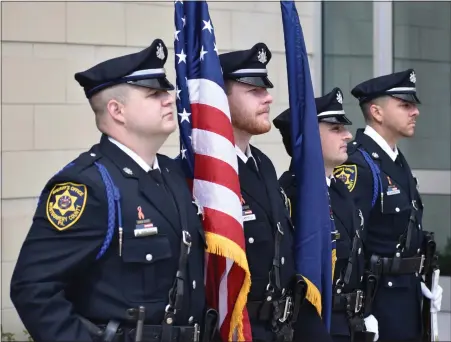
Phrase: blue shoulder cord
(113,195)
(377,182)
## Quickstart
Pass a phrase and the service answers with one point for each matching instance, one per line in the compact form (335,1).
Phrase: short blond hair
(100,100)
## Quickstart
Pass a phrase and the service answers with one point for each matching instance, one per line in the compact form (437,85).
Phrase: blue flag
(313,243)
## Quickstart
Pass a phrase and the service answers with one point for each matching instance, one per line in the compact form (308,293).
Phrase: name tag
(393,190)
(248,215)
(146,231)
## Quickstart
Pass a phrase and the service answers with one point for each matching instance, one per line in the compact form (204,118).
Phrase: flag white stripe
(218,197)
(208,92)
(214,145)
(223,297)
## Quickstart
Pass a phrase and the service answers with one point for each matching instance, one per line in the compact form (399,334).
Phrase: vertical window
(347,50)
(422,41)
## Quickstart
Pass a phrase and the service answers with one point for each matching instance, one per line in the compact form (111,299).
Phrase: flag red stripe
(216,171)
(225,225)
(211,119)
(215,269)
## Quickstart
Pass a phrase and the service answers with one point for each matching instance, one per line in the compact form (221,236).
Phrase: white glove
(372,325)
(435,296)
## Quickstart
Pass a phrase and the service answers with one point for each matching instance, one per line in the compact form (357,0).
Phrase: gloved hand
(372,325)
(435,296)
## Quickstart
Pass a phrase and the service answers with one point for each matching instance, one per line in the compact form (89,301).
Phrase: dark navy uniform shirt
(349,225)
(263,209)
(57,277)
(397,305)
(347,221)
(309,325)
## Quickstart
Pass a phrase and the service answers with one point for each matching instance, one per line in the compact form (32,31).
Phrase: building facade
(46,120)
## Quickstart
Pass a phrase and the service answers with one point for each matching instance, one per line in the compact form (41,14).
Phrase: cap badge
(262,56)
(160,52)
(413,78)
(339,97)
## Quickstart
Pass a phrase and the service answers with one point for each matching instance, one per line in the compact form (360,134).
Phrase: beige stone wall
(46,121)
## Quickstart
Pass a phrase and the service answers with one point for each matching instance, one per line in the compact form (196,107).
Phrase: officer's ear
(376,112)
(116,109)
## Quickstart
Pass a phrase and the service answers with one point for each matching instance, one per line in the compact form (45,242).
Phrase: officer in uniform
(350,320)
(116,247)
(275,294)
(381,182)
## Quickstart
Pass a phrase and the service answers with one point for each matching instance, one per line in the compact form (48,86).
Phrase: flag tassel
(219,245)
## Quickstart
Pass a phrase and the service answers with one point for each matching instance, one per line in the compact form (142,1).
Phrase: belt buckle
(287,310)
(186,238)
(421,264)
(358,301)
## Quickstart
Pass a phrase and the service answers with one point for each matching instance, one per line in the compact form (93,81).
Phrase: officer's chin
(343,156)
(409,132)
(168,127)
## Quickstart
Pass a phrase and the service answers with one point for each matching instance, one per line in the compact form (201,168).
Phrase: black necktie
(158,178)
(398,161)
(252,165)
(156,175)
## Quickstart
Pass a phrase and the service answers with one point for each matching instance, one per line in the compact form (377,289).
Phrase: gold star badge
(347,174)
(65,204)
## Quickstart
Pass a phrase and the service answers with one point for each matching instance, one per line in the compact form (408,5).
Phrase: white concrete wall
(46,121)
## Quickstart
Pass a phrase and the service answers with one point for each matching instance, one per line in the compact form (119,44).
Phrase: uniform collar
(245,156)
(371,132)
(329,180)
(138,160)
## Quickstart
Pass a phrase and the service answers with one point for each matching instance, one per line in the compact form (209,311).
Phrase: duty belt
(153,333)
(397,266)
(350,302)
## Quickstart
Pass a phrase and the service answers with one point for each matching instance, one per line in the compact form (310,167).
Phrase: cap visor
(154,83)
(407,97)
(258,81)
(336,119)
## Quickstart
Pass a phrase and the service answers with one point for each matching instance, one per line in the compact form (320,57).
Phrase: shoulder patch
(65,204)
(347,174)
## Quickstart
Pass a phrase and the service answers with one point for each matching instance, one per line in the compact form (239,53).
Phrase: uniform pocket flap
(396,204)
(147,250)
(254,232)
(396,281)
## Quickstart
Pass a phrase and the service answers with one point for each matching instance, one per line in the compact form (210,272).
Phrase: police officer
(267,226)
(379,178)
(116,248)
(350,321)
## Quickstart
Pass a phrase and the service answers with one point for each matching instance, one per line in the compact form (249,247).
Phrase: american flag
(208,156)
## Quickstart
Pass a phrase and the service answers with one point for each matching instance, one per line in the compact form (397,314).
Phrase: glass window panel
(437,219)
(422,40)
(347,50)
